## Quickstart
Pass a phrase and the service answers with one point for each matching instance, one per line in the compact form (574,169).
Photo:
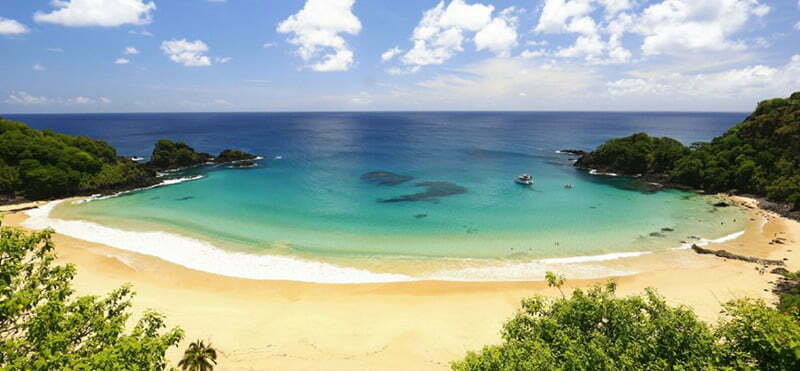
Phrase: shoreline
(206,256)
(410,325)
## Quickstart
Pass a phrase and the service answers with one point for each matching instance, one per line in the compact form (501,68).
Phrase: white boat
(524,179)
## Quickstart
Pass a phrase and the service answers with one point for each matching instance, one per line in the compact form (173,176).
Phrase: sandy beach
(413,325)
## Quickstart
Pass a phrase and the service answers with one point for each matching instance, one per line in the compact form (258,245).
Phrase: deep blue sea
(308,199)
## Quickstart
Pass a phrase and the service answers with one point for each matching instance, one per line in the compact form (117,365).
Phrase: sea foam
(200,255)
(165,182)
(203,256)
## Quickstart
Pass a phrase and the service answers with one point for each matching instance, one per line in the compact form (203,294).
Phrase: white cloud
(122,61)
(131,50)
(440,33)
(403,71)
(12,27)
(362,98)
(104,13)
(498,82)
(268,45)
(500,35)
(556,13)
(751,81)
(189,54)
(80,100)
(675,26)
(797,26)
(528,54)
(316,31)
(223,60)
(574,16)
(390,54)
(222,102)
(615,6)
(23,98)
(55,50)
(38,67)
(141,33)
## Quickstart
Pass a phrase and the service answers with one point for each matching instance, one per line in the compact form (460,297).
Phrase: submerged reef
(385,178)
(433,191)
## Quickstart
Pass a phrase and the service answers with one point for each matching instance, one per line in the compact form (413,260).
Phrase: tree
(199,357)
(594,330)
(45,326)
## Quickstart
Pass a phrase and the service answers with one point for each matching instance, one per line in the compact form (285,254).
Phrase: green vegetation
(759,156)
(44,326)
(788,290)
(175,155)
(231,155)
(636,154)
(42,164)
(594,330)
(199,357)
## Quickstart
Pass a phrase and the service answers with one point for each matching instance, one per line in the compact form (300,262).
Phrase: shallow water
(451,180)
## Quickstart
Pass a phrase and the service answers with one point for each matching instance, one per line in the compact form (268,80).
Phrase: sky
(366,55)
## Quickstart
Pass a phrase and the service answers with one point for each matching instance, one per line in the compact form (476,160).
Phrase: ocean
(390,196)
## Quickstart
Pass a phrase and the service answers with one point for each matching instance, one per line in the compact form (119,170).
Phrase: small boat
(137,159)
(568,186)
(524,179)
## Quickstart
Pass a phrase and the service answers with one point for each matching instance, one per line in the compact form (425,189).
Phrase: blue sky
(298,55)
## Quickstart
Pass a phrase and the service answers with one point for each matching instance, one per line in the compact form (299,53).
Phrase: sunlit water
(308,199)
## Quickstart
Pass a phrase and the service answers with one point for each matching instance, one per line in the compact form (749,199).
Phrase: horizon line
(367,111)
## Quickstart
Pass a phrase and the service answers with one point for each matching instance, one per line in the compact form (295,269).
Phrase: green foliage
(759,156)
(755,336)
(198,357)
(789,295)
(44,326)
(230,155)
(636,154)
(594,330)
(173,155)
(43,164)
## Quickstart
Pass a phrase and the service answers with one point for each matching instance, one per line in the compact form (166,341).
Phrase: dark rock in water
(243,164)
(729,255)
(667,229)
(385,178)
(420,216)
(233,155)
(721,204)
(657,234)
(185,198)
(576,152)
(432,192)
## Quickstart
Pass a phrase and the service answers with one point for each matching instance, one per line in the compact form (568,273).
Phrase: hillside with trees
(759,156)
(42,164)
(38,164)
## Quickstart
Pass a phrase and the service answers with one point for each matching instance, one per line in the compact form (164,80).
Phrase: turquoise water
(312,201)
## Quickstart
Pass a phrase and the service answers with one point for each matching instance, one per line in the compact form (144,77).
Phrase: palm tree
(198,357)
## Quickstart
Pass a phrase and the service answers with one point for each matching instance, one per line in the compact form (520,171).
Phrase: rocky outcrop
(729,255)
(233,155)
